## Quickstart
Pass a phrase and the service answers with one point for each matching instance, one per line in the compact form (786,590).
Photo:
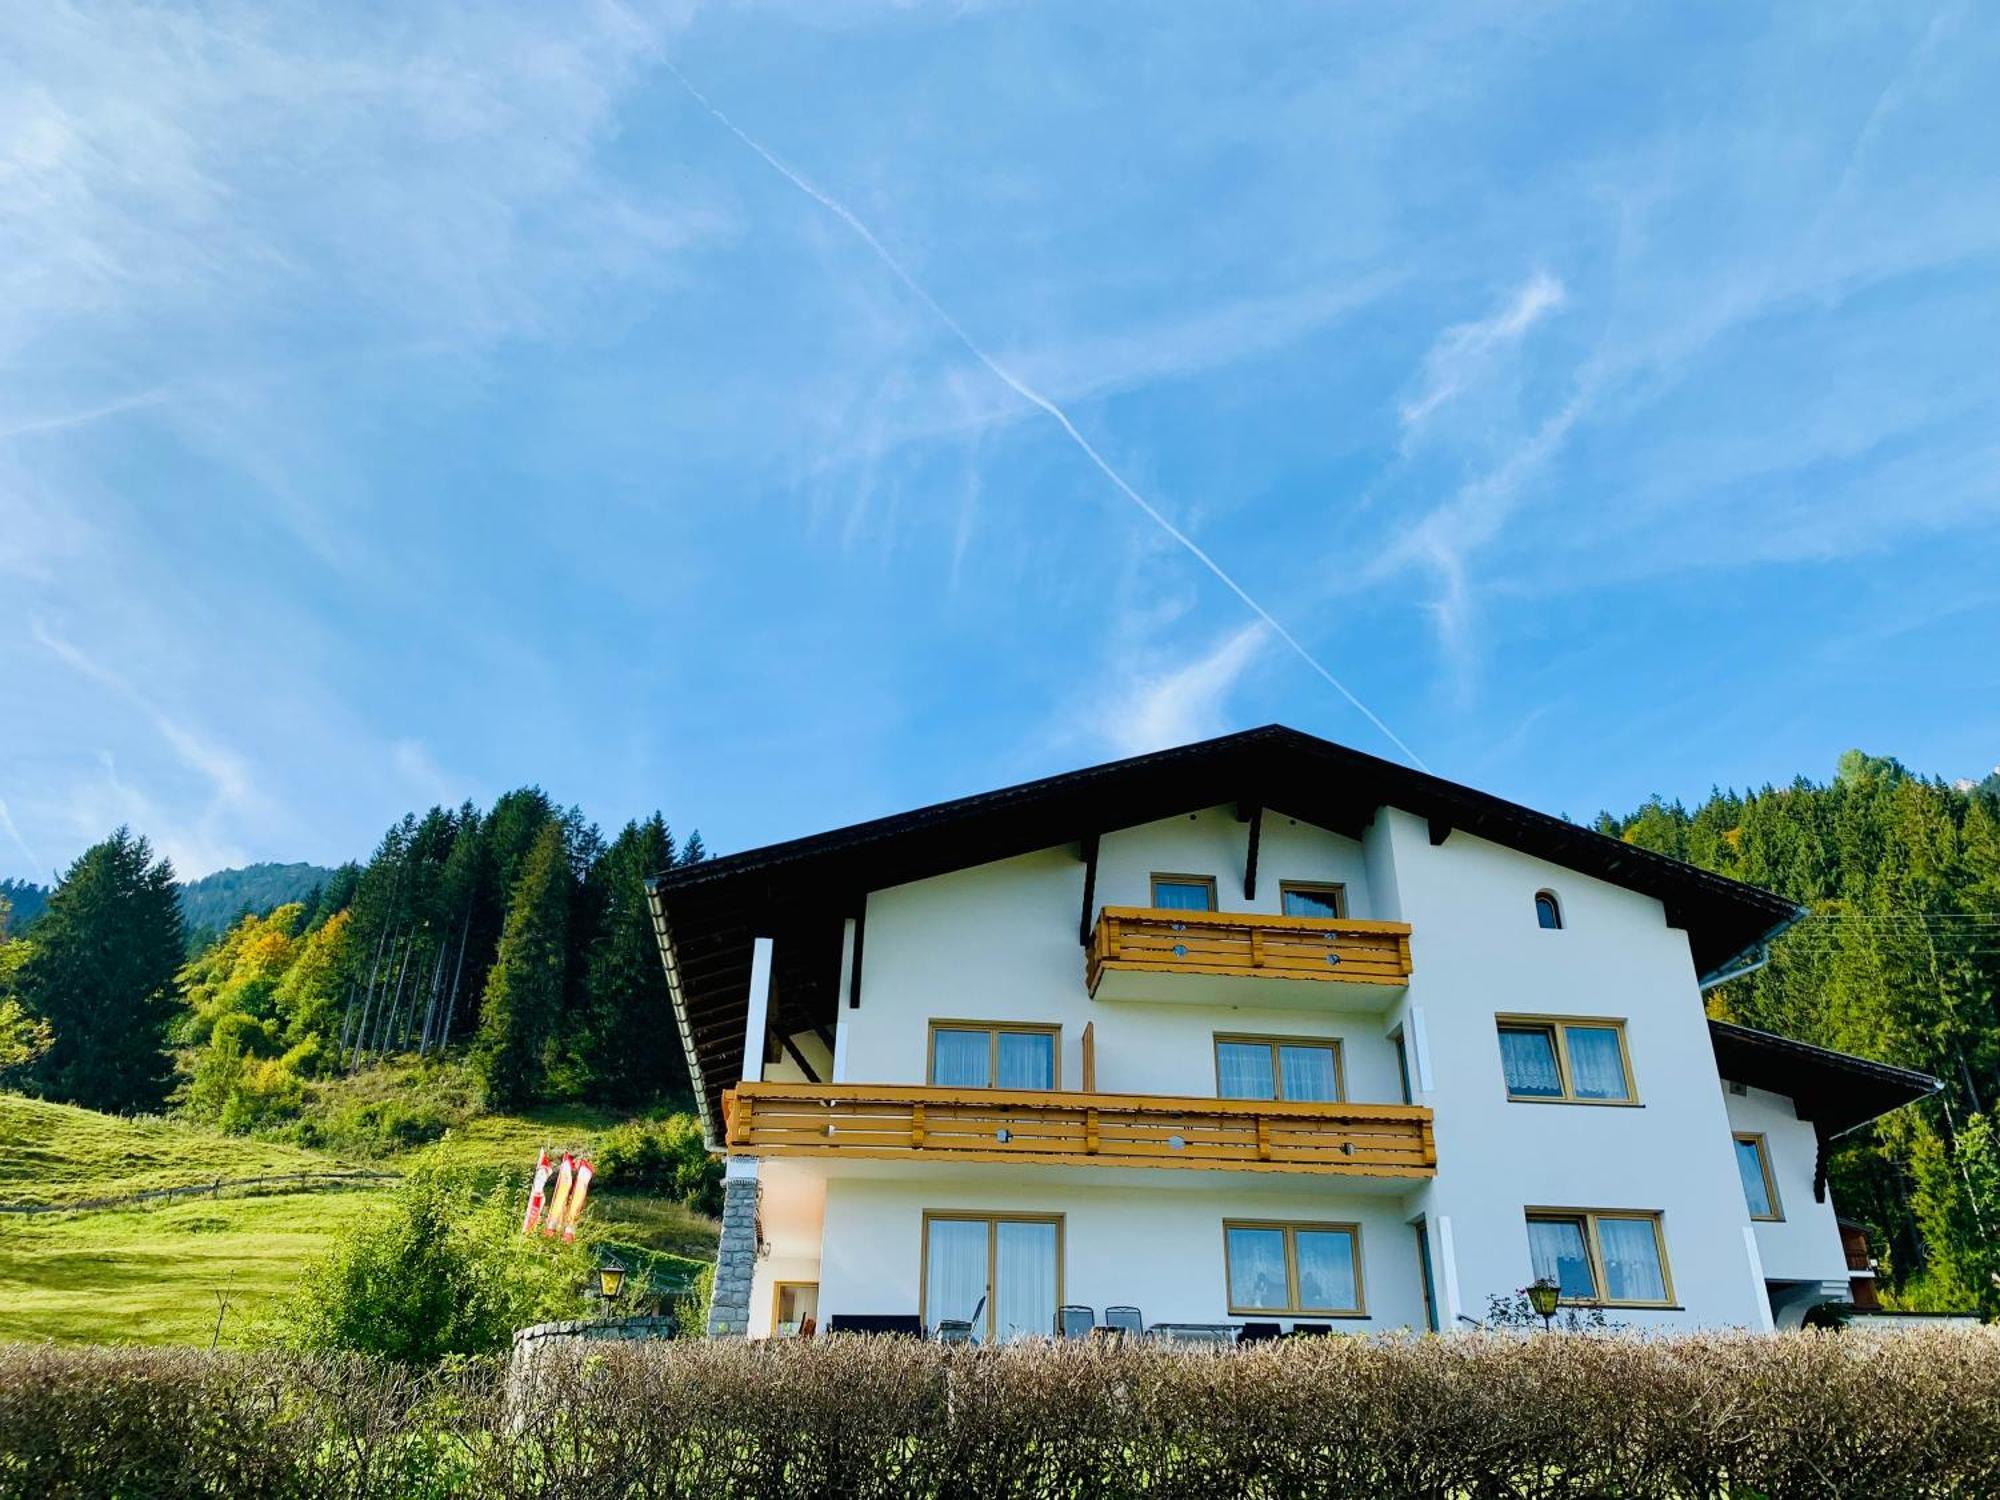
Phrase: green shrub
(438,1272)
(663,1156)
(1559,1417)
(376,1127)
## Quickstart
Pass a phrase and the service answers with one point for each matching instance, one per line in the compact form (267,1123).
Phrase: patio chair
(1074,1320)
(1125,1320)
(1257,1333)
(959,1330)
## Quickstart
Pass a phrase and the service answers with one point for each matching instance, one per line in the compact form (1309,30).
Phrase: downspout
(1754,957)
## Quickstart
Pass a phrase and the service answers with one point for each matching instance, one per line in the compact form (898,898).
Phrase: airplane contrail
(1035,398)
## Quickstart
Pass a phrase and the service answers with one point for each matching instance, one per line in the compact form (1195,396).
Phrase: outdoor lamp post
(610,1279)
(1543,1296)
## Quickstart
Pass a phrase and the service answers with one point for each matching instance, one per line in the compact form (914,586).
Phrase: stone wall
(736,1259)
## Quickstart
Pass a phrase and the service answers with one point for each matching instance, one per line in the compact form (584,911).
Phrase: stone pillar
(736,1254)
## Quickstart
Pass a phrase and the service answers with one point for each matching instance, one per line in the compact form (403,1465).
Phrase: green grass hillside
(59,1154)
(150,1272)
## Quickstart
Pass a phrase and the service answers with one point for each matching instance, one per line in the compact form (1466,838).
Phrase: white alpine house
(1260,1034)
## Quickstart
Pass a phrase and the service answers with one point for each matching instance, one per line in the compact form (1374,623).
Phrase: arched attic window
(1547,913)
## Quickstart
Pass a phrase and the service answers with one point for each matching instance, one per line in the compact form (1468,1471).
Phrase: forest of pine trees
(519,932)
(1899,961)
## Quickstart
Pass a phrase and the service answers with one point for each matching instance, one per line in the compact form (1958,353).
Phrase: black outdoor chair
(1075,1321)
(1125,1320)
(1310,1331)
(1257,1333)
(907,1324)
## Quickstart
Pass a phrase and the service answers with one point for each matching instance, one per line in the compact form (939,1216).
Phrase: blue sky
(399,404)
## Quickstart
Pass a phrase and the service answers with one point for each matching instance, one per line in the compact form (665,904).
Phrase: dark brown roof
(1835,1090)
(798,892)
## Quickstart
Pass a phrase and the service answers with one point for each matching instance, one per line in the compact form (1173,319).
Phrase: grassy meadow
(150,1272)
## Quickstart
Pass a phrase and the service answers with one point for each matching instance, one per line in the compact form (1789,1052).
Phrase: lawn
(149,1273)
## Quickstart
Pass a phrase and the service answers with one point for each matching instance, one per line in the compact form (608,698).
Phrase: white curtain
(1596,1065)
(1309,1073)
(1326,1269)
(1257,1269)
(1556,1250)
(1025,1280)
(1027,1060)
(1750,1164)
(1243,1070)
(955,1272)
(1530,1060)
(1631,1254)
(958,1059)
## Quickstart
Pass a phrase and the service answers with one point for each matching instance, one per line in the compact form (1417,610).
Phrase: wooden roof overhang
(799,892)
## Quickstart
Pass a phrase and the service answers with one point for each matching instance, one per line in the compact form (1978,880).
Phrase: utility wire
(1035,398)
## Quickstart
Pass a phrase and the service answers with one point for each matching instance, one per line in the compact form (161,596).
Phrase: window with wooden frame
(1760,1184)
(1566,1060)
(1306,898)
(794,1304)
(994,1055)
(1183,892)
(1298,1068)
(1602,1256)
(1307,1270)
(1003,1273)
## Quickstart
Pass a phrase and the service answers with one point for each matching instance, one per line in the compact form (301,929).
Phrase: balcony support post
(757,1023)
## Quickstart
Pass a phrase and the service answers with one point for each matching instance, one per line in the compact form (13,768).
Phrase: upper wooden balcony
(1246,958)
(891,1122)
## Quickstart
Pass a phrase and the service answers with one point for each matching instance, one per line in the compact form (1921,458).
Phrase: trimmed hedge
(1484,1416)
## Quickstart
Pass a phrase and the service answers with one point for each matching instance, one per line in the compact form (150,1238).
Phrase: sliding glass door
(1001,1273)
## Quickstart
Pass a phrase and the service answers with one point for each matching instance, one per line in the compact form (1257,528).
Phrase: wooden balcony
(1249,958)
(888,1122)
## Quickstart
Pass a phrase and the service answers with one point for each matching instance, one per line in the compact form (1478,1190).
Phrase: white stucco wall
(1805,1244)
(1478,952)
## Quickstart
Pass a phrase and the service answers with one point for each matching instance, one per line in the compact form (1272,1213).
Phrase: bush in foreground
(1800,1415)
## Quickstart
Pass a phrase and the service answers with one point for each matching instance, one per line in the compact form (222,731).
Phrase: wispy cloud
(1464,352)
(1185,703)
(14,833)
(1041,401)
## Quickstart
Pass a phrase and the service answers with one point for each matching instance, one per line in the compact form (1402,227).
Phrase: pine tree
(523,1005)
(626,1043)
(102,977)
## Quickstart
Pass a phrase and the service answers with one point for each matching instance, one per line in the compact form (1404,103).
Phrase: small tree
(524,993)
(438,1273)
(101,975)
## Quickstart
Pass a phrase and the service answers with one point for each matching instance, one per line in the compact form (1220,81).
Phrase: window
(1309,1269)
(1299,1068)
(1760,1188)
(1611,1256)
(1568,1061)
(1184,892)
(1002,1273)
(1547,913)
(973,1055)
(792,1303)
(1423,1229)
(1302,900)
(1403,1065)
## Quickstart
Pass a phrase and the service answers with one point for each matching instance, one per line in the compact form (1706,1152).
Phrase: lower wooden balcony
(1200,957)
(888,1122)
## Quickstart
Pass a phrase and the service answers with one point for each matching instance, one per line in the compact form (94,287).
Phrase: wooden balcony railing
(888,1122)
(1247,945)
